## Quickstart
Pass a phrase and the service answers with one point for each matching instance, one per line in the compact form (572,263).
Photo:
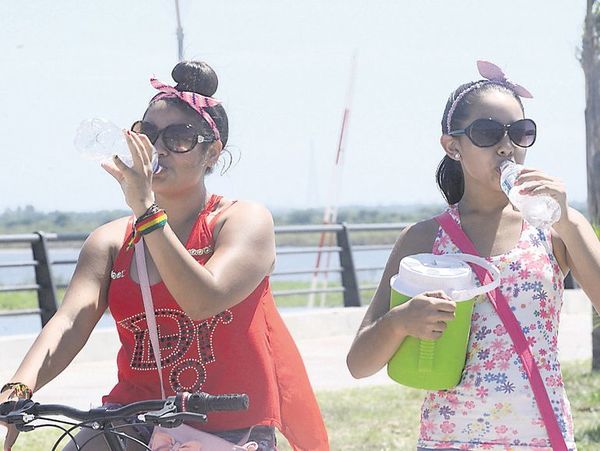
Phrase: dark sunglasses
(178,138)
(489,132)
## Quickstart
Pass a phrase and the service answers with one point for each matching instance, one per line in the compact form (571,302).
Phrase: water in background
(63,273)
(28,324)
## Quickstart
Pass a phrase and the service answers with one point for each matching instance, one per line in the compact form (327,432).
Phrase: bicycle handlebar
(203,402)
(197,403)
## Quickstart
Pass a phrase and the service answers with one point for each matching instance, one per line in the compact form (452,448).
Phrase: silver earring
(457,156)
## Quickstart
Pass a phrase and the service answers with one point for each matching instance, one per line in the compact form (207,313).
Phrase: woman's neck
(490,221)
(479,200)
(183,209)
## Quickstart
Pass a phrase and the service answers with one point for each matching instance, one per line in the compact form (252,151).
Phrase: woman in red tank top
(208,262)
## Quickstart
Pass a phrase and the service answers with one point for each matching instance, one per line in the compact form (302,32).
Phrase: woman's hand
(425,316)
(135,181)
(533,182)
(12,433)
(11,436)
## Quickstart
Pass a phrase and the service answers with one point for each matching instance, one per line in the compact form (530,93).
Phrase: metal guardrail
(46,286)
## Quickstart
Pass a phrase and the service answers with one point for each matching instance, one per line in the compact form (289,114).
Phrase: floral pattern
(493,407)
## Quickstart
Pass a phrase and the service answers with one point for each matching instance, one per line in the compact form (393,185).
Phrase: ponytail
(450,179)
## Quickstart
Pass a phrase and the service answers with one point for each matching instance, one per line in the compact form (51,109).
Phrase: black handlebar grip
(7,407)
(203,402)
(20,404)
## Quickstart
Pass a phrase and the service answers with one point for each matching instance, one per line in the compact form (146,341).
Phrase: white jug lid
(429,272)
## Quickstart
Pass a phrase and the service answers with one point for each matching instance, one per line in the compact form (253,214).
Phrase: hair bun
(195,76)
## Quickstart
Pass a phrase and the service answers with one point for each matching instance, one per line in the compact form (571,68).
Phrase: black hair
(449,175)
(199,77)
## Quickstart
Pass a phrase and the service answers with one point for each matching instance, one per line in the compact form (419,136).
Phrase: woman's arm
(84,303)
(244,254)
(578,247)
(582,253)
(383,330)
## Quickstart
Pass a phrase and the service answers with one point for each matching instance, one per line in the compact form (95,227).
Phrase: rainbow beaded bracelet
(19,389)
(154,218)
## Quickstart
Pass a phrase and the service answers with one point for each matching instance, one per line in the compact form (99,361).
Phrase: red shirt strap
(215,218)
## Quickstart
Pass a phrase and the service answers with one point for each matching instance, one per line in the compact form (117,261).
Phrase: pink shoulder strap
(460,239)
(142,270)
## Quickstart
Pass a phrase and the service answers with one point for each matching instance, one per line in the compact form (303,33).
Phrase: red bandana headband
(197,101)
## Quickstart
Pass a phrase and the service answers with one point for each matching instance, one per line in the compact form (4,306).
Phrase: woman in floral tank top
(493,407)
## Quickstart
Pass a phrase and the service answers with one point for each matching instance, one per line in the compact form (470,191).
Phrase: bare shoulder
(247,207)
(249,216)
(417,238)
(107,239)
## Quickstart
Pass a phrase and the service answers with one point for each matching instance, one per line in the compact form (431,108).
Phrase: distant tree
(590,62)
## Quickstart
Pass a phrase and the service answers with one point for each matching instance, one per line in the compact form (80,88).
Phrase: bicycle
(169,413)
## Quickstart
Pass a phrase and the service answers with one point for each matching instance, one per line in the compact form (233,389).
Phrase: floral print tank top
(493,407)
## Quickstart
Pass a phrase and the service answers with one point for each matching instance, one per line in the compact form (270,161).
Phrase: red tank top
(244,349)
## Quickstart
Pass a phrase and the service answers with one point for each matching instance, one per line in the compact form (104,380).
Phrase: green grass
(23,299)
(583,388)
(387,417)
(300,300)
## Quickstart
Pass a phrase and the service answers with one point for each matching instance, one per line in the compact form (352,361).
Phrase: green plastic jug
(437,364)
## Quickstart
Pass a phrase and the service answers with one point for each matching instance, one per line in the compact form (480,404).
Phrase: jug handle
(461,295)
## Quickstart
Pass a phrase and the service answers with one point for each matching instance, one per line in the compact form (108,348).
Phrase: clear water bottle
(540,211)
(99,139)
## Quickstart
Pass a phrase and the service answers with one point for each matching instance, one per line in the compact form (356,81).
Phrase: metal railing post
(43,277)
(349,280)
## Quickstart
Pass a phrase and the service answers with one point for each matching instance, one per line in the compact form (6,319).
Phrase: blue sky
(284,69)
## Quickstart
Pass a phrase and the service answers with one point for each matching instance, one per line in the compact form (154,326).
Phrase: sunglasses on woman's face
(178,138)
(489,132)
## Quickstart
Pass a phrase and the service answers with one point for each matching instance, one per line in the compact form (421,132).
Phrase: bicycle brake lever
(156,415)
(22,412)
(24,427)
(186,416)
(168,407)
(169,417)
(172,419)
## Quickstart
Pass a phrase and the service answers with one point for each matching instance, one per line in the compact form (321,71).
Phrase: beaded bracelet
(19,389)
(154,218)
(150,211)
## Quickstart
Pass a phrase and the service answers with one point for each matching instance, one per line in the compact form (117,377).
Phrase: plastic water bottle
(540,211)
(99,139)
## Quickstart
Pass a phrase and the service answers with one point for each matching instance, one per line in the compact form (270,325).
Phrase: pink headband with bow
(493,75)
(197,101)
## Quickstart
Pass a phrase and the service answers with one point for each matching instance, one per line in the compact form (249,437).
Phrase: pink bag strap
(500,303)
(142,270)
